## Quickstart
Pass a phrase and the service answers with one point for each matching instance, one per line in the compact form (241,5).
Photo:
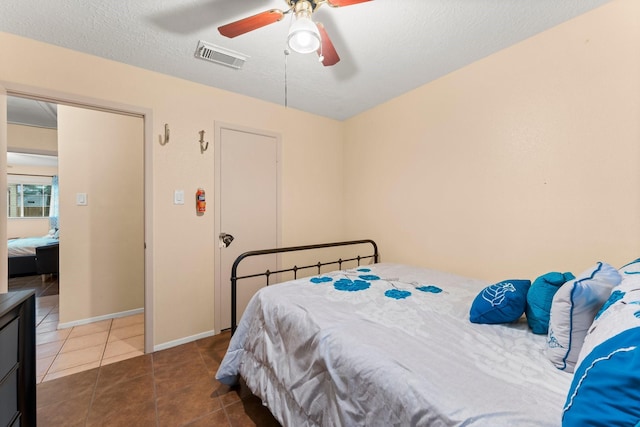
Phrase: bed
(393,345)
(33,255)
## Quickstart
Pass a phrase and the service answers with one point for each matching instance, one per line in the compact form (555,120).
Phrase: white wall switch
(81,199)
(178,197)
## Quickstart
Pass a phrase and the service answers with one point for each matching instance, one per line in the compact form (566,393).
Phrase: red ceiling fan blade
(339,3)
(327,51)
(251,23)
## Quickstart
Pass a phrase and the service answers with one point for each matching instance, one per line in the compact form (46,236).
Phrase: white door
(246,208)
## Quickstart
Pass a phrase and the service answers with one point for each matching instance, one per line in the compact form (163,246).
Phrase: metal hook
(203,146)
(166,135)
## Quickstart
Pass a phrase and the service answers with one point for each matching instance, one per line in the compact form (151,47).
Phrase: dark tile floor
(46,286)
(173,387)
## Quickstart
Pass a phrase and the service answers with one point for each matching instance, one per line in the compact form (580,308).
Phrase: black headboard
(295,269)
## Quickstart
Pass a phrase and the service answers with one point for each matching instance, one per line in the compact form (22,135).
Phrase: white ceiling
(387,47)
(24,159)
(31,112)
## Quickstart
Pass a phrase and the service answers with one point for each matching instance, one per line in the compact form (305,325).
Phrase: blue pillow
(503,302)
(605,391)
(539,299)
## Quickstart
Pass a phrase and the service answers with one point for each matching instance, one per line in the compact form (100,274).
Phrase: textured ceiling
(387,47)
(30,112)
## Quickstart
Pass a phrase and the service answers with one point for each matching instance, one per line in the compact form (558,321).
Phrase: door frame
(25,91)
(218,277)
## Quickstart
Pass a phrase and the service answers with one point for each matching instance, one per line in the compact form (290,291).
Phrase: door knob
(225,239)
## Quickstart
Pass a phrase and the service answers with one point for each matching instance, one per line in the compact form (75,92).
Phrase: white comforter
(27,246)
(319,356)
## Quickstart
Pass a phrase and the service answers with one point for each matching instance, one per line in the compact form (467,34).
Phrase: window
(27,198)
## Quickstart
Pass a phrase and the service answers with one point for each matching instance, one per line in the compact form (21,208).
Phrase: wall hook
(166,135)
(203,145)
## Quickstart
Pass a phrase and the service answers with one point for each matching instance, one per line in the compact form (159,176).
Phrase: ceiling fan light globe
(304,36)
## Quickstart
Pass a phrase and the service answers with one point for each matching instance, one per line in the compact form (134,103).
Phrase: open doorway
(97,316)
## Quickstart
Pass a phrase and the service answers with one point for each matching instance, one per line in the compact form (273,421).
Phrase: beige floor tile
(47,322)
(126,332)
(84,341)
(74,370)
(62,352)
(43,311)
(121,357)
(58,335)
(51,317)
(121,322)
(48,301)
(76,358)
(90,328)
(127,345)
(48,349)
(42,365)
(47,327)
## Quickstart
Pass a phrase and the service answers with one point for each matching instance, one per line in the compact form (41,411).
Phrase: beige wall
(521,163)
(183,244)
(31,139)
(27,227)
(102,243)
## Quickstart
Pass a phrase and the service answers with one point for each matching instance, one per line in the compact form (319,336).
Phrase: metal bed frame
(234,269)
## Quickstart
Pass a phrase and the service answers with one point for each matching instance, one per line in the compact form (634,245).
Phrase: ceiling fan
(305,36)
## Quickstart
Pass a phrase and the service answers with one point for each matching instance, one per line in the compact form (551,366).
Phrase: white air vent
(219,55)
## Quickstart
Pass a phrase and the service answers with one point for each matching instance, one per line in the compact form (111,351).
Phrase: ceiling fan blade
(327,50)
(339,3)
(251,23)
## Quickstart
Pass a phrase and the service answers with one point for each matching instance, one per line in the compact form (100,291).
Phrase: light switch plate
(81,199)
(178,197)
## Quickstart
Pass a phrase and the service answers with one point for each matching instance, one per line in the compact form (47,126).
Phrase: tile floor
(173,387)
(120,386)
(61,352)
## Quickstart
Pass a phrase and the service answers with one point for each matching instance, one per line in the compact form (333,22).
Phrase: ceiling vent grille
(219,55)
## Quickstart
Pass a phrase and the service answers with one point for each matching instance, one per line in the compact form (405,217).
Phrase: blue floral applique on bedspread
(397,294)
(362,282)
(429,288)
(351,285)
(321,279)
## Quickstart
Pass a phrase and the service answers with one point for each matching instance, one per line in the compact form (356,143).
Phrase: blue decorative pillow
(605,391)
(503,302)
(539,299)
(630,269)
(573,309)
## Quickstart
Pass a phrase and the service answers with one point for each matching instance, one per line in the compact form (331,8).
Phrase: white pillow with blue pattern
(609,321)
(573,309)
(631,269)
(604,390)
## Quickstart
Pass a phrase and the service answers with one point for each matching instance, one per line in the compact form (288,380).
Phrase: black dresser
(18,359)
